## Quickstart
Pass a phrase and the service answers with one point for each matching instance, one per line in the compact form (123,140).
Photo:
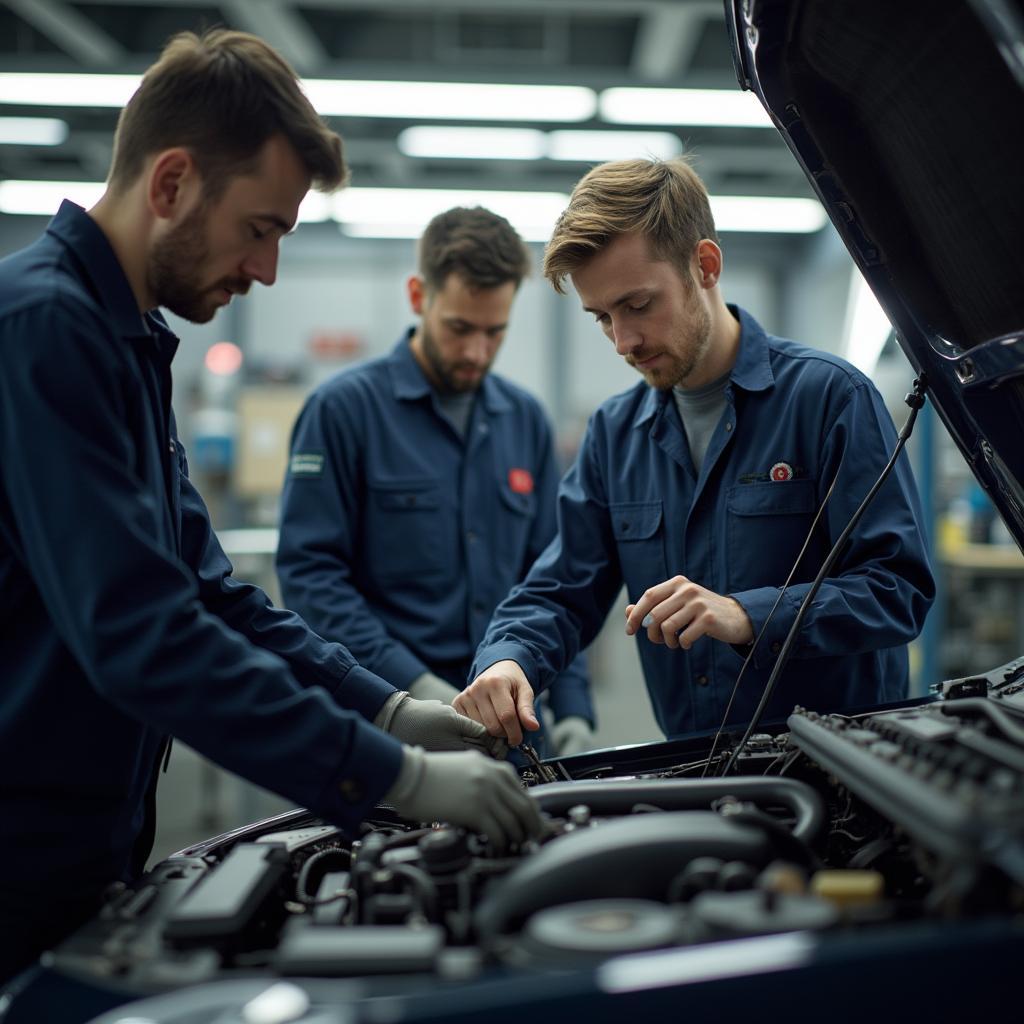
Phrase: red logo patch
(521,481)
(781,472)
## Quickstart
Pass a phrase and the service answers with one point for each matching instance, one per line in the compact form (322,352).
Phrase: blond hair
(664,200)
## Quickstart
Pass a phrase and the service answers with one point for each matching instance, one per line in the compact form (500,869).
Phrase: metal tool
(544,772)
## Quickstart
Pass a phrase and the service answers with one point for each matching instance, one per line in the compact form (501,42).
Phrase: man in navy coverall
(422,487)
(697,487)
(120,622)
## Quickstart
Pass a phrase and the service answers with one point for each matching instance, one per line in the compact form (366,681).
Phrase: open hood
(908,119)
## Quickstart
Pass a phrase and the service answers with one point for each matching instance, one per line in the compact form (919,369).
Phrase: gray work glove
(435,726)
(431,687)
(572,735)
(465,789)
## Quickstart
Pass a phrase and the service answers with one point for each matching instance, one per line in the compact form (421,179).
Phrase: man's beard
(688,351)
(444,373)
(175,268)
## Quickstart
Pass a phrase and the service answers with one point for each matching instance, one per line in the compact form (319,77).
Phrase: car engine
(839,837)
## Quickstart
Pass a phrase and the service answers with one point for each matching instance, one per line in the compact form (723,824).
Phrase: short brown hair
(222,95)
(664,200)
(478,245)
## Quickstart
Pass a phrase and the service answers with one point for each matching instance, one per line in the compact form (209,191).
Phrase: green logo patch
(306,464)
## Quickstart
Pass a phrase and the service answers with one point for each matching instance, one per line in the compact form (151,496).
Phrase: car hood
(907,119)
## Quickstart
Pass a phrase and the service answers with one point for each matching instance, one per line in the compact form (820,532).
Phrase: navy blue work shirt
(120,622)
(633,509)
(400,537)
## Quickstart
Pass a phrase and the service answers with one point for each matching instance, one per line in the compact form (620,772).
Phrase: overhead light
(32,131)
(462,101)
(719,107)
(381,211)
(472,143)
(780,214)
(42,198)
(529,144)
(595,146)
(435,101)
(361,211)
(67,90)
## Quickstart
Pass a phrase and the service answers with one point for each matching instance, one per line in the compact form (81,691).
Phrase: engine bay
(839,837)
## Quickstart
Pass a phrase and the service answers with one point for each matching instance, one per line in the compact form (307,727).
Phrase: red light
(224,358)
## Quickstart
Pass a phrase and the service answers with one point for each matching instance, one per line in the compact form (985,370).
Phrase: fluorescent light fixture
(462,101)
(721,107)
(405,212)
(435,101)
(530,144)
(472,143)
(67,90)
(866,329)
(780,214)
(596,146)
(43,198)
(32,131)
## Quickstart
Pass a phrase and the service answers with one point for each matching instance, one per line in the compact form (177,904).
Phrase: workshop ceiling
(595,43)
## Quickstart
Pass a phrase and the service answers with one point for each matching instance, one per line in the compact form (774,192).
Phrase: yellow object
(848,889)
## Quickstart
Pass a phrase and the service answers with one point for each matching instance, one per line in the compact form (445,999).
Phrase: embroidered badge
(306,464)
(521,481)
(781,472)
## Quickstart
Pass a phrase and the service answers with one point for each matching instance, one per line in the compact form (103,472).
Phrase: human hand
(435,726)
(572,735)
(468,790)
(501,698)
(678,612)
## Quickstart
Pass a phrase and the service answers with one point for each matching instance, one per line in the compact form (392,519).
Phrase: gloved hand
(572,735)
(435,726)
(465,789)
(431,687)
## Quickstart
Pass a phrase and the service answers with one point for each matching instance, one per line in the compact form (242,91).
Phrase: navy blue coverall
(633,510)
(402,537)
(120,623)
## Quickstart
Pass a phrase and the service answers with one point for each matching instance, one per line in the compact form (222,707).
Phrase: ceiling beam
(71,30)
(280,26)
(668,39)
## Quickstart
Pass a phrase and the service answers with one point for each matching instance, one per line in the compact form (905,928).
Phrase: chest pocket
(640,539)
(765,529)
(404,528)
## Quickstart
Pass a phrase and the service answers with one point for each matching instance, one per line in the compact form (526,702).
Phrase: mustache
(235,285)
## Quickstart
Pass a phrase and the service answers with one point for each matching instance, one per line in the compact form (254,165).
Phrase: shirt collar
(752,370)
(99,263)
(410,383)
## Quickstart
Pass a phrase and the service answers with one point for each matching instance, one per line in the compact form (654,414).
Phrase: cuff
(399,666)
(361,691)
(371,766)
(758,604)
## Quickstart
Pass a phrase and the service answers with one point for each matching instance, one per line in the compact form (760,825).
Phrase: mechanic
(697,487)
(122,624)
(421,486)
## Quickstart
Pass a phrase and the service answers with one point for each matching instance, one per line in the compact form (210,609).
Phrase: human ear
(172,173)
(709,263)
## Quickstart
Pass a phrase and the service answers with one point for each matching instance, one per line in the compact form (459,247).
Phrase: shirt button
(350,790)
(470,536)
(776,647)
(702,680)
(625,526)
(478,607)
(728,427)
